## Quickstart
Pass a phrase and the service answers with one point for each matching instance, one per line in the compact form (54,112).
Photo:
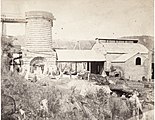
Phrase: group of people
(127,106)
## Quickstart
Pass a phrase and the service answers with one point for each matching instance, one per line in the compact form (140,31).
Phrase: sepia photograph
(77,59)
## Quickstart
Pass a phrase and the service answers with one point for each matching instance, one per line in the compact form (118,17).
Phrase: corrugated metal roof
(79,56)
(124,57)
(124,48)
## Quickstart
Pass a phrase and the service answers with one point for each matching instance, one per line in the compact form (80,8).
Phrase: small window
(138,61)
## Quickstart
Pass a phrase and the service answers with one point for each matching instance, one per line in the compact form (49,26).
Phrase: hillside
(147,41)
(65,44)
(82,44)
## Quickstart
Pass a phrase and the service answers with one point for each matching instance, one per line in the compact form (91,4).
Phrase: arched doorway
(37,65)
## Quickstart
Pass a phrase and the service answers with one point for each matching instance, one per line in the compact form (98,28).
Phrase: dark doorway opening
(152,71)
(37,64)
(97,67)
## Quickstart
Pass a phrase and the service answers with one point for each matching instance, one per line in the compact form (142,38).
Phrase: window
(138,61)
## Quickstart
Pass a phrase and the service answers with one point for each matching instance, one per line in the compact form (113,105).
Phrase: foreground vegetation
(23,99)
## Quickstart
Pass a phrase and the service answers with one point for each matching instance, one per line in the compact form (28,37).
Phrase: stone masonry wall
(39,37)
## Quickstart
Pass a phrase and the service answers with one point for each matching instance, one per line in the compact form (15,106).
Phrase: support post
(90,67)
(76,67)
(70,70)
(3,29)
(89,71)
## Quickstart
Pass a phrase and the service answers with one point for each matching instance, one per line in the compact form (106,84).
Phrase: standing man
(135,104)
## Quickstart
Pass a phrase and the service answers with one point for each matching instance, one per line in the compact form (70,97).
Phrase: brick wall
(39,37)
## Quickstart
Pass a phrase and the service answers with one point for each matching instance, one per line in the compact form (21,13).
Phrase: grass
(61,100)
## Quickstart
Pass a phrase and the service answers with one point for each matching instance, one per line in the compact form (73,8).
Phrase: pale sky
(88,19)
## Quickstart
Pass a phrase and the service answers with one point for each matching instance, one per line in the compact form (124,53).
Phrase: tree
(6,54)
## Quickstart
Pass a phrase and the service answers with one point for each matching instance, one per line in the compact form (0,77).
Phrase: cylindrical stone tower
(39,40)
(39,31)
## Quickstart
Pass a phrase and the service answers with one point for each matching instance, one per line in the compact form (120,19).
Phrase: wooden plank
(13,20)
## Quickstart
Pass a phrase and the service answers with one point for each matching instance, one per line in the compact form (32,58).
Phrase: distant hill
(65,44)
(82,44)
(21,40)
(147,41)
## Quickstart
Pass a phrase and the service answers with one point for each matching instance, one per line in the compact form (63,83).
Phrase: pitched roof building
(79,56)
(130,58)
